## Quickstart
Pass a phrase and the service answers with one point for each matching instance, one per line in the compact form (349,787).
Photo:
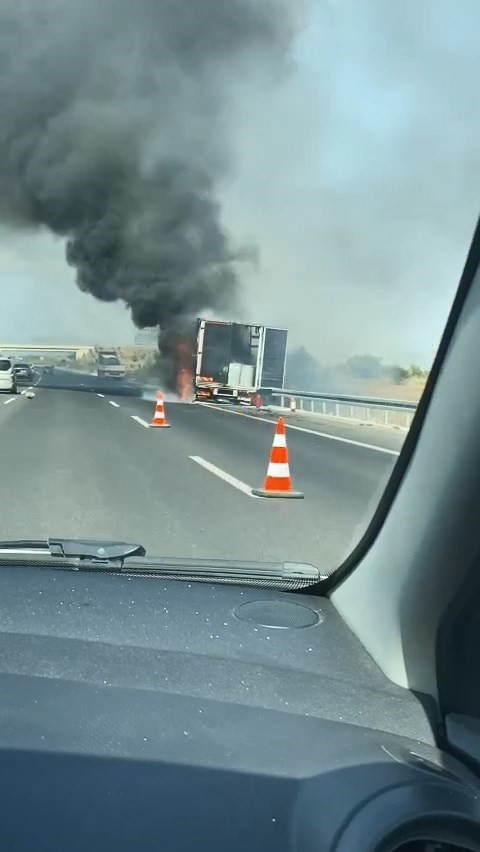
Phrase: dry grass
(410,390)
(138,360)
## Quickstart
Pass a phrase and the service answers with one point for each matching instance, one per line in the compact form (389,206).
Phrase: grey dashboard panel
(102,767)
(143,713)
(188,638)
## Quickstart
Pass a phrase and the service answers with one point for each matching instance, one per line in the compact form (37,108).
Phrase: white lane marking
(222,474)
(139,420)
(289,425)
(23,391)
(102,395)
(115,404)
(12,399)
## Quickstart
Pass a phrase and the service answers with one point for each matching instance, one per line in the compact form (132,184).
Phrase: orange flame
(184,377)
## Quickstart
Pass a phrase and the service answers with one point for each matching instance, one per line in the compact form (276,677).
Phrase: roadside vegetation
(364,375)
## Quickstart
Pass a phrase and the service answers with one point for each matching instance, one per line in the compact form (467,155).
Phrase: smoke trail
(114,134)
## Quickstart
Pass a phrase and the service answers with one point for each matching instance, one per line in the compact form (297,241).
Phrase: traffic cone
(278,482)
(159,417)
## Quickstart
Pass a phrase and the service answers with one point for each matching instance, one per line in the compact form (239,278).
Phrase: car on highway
(8,378)
(23,372)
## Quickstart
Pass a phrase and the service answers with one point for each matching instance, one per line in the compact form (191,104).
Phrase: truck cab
(109,365)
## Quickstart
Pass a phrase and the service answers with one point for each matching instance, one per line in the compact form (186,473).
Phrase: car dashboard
(147,713)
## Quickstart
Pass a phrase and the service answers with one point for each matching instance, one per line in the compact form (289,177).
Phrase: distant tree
(303,372)
(415,371)
(364,366)
(398,374)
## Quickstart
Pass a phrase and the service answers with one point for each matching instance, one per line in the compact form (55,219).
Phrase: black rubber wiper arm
(93,548)
(78,548)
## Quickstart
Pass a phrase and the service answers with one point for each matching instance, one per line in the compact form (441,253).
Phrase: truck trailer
(234,361)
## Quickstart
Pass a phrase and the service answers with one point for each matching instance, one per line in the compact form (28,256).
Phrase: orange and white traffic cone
(159,417)
(278,482)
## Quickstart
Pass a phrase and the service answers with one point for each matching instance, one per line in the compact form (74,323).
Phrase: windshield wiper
(78,548)
(124,557)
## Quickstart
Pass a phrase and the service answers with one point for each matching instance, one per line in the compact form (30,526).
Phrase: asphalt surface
(79,460)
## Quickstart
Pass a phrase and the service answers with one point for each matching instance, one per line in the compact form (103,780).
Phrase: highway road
(79,460)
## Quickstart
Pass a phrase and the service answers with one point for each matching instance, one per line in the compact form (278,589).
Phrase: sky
(357,178)
(40,303)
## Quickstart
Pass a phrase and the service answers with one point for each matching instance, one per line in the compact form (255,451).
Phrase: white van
(8,380)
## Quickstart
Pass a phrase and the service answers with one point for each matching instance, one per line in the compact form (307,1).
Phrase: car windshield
(230,237)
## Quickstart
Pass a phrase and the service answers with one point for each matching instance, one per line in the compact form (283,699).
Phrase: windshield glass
(259,210)
(108,359)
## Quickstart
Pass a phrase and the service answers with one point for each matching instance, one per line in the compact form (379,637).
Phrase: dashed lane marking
(139,420)
(222,474)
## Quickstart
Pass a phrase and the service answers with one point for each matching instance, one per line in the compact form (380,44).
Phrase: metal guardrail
(362,401)
(389,412)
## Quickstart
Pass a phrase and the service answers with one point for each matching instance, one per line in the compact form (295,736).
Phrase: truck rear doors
(274,357)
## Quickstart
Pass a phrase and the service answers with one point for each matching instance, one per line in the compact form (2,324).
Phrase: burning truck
(228,361)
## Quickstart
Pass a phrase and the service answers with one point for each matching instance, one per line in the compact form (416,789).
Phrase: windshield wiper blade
(210,570)
(217,569)
(120,557)
(78,548)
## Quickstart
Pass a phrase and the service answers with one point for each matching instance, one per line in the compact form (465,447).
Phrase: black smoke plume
(114,134)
